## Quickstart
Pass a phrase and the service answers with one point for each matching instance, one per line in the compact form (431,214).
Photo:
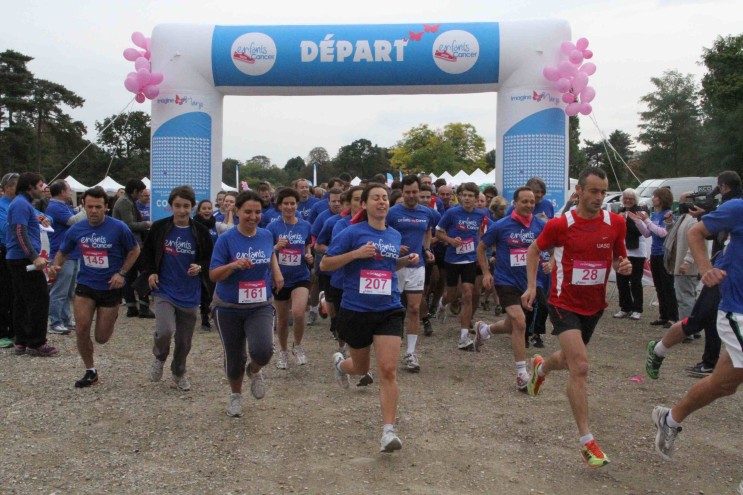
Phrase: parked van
(677,186)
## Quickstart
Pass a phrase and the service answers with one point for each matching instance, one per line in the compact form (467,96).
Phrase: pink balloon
(572,109)
(550,73)
(566,69)
(132,54)
(587,95)
(139,39)
(563,84)
(566,47)
(131,84)
(156,78)
(585,108)
(568,97)
(581,44)
(148,44)
(580,81)
(143,76)
(150,92)
(587,54)
(142,63)
(147,54)
(139,98)
(589,68)
(576,57)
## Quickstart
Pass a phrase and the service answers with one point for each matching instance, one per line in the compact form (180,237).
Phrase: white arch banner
(201,64)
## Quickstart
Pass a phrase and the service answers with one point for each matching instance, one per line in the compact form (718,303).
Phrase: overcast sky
(80,44)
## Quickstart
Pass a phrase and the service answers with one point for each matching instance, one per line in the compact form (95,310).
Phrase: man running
(587,242)
(108,251)
(414,222)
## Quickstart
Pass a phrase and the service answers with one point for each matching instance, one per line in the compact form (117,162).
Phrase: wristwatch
(122,273)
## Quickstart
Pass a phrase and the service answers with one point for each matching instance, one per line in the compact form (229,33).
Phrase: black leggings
(668,308)
(235,327)
(630,287)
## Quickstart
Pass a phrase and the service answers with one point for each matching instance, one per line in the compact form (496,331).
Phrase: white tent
(355,181)
(479,177)
(75,185)
(461,177)
(447,177)
(147,182)
(110,185)
(225,187)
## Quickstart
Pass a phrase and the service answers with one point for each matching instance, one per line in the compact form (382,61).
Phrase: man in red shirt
(587,242)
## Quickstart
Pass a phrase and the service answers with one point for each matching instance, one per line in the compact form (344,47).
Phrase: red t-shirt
(584,251)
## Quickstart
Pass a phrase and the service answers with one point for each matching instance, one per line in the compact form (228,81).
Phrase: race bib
(589,272)
(377,282)
(467,246)
(95,258)
(252,292)
(518,256)
(290,257)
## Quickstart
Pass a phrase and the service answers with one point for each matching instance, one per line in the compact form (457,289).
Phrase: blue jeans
(61,294)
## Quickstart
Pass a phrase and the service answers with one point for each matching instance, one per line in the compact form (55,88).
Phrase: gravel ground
(464,427)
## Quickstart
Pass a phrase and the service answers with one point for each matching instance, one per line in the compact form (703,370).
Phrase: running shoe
(666,435)
(411,362)
(635,315)
(522,381)
(466,344)
(621,314)
(311,318)
(89,378)
(390,442)
(441,312)
(536,381)
(427,327)
(700,370)
(282,362)
(156,370)
(235,408)
(72,325)
(498,310)
(537,341)
(59,330)
(365,380)
(455,307)
(44,350)
(299,356)
(593,455)
(145,312)
(19,349)
(479,340)
(257,384)
(5,343)
(182,382)
(658,322)
(340,376)
(653,361)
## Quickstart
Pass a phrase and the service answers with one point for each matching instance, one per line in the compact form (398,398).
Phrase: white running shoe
(411,362)
(340,376)
(235,408)
(282,362)
(621,314)
(635,315)
(666,435)
(299,356)
(522,381)
(182,382)
(312,318)
(59,330)
(156,370)
(390,442)
(479,339)
(466,344)
(257,384)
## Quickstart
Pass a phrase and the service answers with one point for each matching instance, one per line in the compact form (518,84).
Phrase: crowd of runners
(382,262)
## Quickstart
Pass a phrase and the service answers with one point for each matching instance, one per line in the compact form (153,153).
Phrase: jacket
(152,252)
(126,211)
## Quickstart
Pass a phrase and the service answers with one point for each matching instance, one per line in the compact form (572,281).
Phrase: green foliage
(671,127)
(294,167)
(613,163)
(360,158)
(576,157)
(126,140)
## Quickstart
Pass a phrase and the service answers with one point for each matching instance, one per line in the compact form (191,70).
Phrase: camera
(704,200)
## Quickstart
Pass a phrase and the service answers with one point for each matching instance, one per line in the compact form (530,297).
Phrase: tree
(16,85)
(469,147)
(722,102)
(360,158)
(490,160)
(317,155)
(671,127)
(125,136)
(260,161)
(294,166)
(576,158)
(620,151)
(228,169)
(455,147)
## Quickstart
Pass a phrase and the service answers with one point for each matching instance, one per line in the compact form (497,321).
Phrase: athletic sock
(660,349)
(412,340)
(586,438)
(540,370)
(92,369)
(485,332)
(464,333)
(388,427)
(315,309)
(672,422)
(521,367)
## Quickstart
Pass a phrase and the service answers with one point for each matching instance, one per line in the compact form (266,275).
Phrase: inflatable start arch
(201,64)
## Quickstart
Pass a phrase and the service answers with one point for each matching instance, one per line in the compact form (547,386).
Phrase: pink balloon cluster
(570,77)
(141,82)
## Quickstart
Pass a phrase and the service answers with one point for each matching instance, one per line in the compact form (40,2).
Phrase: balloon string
(128,114)
(91,143)
(605,142)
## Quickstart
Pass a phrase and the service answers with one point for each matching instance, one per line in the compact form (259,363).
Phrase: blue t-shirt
(179,252)
(272,215)
(457,222)
(291,258)
(304,207)
(218,216)
(412,225)
(20,212)
(251,286)
(4,204)
(369,285)
(336,277)
(326,234)
(657,247)
(727,218)
(544,208)
(511,239)
(103,249)
(144,210)
(319,222)
(319,207)
(60,214)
